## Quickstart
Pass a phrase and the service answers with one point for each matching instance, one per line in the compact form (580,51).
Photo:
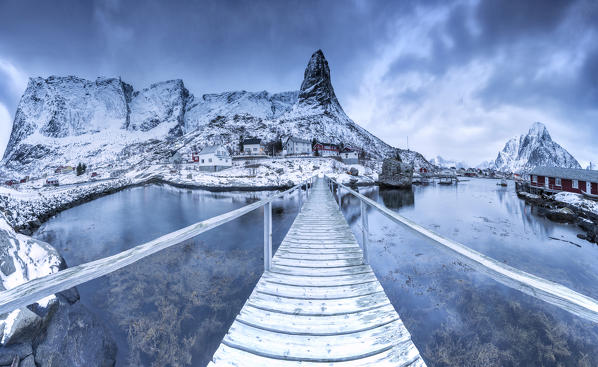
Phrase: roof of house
(209,149)
(328,144)
(297,140)
(570,173)
(348,150)
(252,141)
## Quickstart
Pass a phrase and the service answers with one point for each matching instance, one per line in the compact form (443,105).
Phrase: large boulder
(395,174)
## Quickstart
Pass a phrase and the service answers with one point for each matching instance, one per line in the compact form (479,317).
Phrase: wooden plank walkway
(319,304)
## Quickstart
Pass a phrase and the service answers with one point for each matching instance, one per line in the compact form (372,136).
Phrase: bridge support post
(267,236)
(364,232)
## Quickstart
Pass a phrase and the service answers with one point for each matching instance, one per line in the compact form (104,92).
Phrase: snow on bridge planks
(319,305)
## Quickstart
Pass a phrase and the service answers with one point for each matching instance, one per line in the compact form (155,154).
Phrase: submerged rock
(75,338)
(395,174)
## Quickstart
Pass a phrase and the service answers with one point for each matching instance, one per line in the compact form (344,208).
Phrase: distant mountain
(65,120)
(447,163)
(536,148)
(485,165)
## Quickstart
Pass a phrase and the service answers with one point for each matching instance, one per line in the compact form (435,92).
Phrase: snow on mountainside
(66,120)
(536,148)
(447,163)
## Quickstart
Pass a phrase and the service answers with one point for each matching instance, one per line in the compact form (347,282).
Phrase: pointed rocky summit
(316,88)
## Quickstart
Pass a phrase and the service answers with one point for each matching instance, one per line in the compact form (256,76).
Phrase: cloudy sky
(457,78)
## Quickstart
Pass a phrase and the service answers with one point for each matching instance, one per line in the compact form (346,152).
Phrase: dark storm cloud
(539,55)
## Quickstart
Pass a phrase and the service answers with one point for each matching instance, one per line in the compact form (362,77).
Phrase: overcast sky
(458,78)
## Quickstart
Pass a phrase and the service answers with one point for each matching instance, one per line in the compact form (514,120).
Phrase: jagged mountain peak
(316,87)
(536,148)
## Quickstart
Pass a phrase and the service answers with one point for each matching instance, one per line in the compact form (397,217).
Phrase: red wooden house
(555,179)
(326,149)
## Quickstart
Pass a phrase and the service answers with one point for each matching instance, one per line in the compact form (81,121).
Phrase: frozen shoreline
(27,208)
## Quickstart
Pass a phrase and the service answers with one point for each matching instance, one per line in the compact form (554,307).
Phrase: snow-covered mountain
(485,165)
(447,163)
(65,120)
(536,148)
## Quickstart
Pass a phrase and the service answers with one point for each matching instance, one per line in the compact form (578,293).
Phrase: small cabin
(297,146)
(326,149)
(214,158)
(556,179)
(253,146)
(349,156)
(52,181)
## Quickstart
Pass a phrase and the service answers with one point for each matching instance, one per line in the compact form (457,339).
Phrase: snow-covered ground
(27,205)
(577,200)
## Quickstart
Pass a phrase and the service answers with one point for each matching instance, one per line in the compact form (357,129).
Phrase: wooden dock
(319,304)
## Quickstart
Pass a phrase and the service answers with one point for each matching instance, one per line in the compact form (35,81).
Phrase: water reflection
(174,307)
(459,317)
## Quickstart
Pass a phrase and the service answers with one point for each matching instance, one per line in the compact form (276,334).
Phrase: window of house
(558,181)
(575,184)
(534,178)
(255,149)
(202,161)
(210,160)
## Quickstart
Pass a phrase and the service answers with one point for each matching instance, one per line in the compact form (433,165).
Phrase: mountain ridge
(63,120)
(535,148)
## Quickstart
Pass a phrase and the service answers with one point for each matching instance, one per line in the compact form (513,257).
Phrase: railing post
(300,194)
(338,186)
(267,236)
(364,232)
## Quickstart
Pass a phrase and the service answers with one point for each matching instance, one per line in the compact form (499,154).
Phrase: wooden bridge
(318,301)
(319,304)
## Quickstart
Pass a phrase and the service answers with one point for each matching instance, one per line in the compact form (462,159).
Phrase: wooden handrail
(36,289)
(546,290)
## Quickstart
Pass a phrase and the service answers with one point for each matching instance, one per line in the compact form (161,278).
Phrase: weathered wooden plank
(399,356)
(319,281)
(318,325)
(315,292)
(316,348)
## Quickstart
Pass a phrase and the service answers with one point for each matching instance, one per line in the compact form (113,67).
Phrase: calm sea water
(174,307)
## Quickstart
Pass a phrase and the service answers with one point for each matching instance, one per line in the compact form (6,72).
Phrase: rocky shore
(55,331)
(567,208)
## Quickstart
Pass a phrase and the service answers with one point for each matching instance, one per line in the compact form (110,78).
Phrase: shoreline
(48,210)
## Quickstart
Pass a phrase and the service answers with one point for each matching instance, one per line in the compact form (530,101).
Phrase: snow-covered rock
(577,200)
(536,148)
(22,259)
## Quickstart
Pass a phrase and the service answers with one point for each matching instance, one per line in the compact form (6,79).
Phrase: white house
(294,146)
(253,146)
(349,156)
(214,158)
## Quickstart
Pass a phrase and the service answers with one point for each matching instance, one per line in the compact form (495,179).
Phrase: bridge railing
(36,289)
(546,290)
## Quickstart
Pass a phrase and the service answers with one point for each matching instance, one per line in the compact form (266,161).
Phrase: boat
(445,181)
(503,182)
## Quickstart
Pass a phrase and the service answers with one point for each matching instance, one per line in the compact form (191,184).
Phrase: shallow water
(458,316)
(174,307)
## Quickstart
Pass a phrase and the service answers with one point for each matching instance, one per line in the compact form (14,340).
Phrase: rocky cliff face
(536,148)
(66,120)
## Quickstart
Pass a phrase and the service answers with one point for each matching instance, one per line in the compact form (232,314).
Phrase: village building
(52,181)
(556,179)
(253,146)
(296,146)
(326,149)
(349,156)
(64,169)
(214,158)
